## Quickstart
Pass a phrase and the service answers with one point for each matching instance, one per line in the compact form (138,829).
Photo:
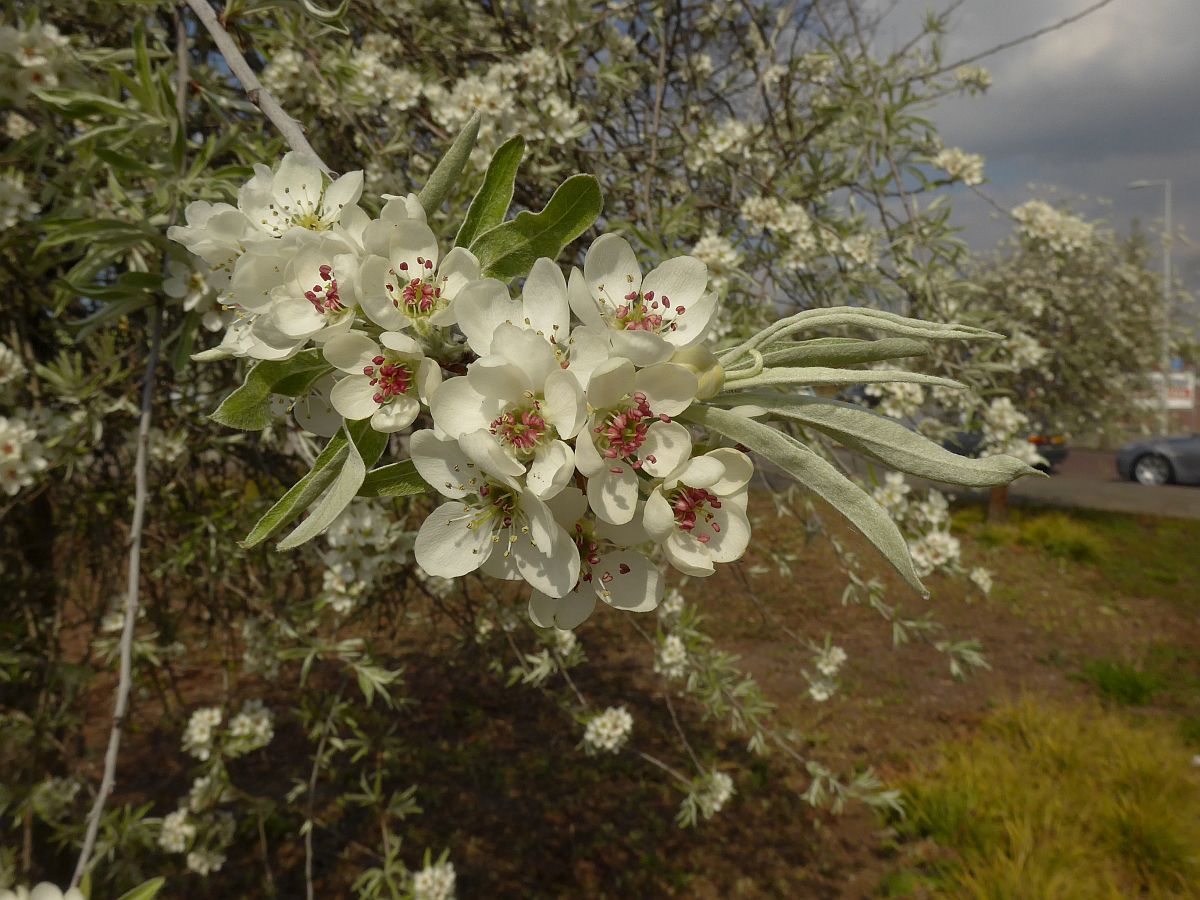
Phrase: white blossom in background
(960,165)
(1060,231)
(829,661)
(1024,350)
(821,690)
(20,455)
(43,891)
(205,862)
(982,579)
(608,731)
(670,659)
(898,399)
(200,734)
(564,642)
(721,257)
(251,729)
(935,550)
(434,882)
(933,511)
(16,203)
(892,495)
(176,832)
(1006,431)
(12,369)
(31,57)
(717,793)
(198,287)
(16,126)
(973,79)
(728,139)
(672,605)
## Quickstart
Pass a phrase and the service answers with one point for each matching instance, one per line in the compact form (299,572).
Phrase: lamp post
(1165,184)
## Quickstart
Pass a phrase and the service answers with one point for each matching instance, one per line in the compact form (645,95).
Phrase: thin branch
(291,130)
(1008,45)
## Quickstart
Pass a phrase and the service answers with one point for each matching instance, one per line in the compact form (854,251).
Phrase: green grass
(1121,683)
(1047,802)
(1139,556)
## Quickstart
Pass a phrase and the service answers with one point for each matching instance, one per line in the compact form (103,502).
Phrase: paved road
(1088,479)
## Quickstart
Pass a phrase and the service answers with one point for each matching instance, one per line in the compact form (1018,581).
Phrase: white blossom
(960,165)
(670,660)
(200,734)
(829,661)
(176,832)
(608,731)
(434,882)
(20,455)
(205,862)
(1060,231)
(43,891)
(16,203)
(982,579)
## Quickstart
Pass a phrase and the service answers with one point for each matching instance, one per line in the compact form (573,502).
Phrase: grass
(1122,683)
(1052,802)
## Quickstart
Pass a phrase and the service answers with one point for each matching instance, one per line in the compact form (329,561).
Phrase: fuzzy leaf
(446,174)
(508,251)
(491,203)
(146,890)
(303,493)
(889,442)
(365,447)
(249,409)
(842,351)
(819,476)
(395,480)
(823,375)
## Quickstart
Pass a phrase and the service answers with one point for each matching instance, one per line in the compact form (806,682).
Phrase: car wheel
(1152,469)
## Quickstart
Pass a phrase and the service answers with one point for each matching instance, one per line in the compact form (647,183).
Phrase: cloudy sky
(1104,101)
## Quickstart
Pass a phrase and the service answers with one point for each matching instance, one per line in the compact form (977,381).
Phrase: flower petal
(613,493)
(482,449)
(702,472)
(628,581)
(395,415)
(544,302)
(458,408)
(677,282)
(691,327)
(480,308)
(528,350)
(554,574)
(669,387)
(611,270)
(354,397)
(442,463)
(739,469)
(643,348)
(343,192)
(564,407)
(687,554)
(658,517)
(730,542)
(581,301)
(567,613)
(373,296)
(350,352)
(551,470)
(448,545)
(569,506)
(665,448)
(458,269)
(611,383)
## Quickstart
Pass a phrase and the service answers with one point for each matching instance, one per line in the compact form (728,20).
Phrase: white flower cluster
(721,257)
(197,286)
(928,520)
(828,661)
(1025,351)
(200,734)
(716,794)
(938,549)
(365,541)
(982,579)
(43,891)
(1006,431)
(892,495)
(251,729)
(960,165)
(728,139)
(670,660)
(11,367)
(176,832)
(973,79)
(20,455)
(30,58)
(1060,231)
(16,203)
(434,882)
(608,731)
(791,222)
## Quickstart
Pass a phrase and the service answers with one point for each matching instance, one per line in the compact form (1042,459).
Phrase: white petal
(458,269)
(678,282)
(296,318)
(343,192)
(628,581)
(401,343)
(373,278)
(691,327)
(458,408)
(564,407)
(544,299)
(408,242)
(739,469)
(480,308)
(589,348)
(665,448)
(581,301)
(297,184)
(587,458)
(314,412)
(613,493)
(551,470)
(611,383)
(395,415)
(501,565)
(568,613)
(669,387)
(569,506)
(687,554)
(350,352)
(354,397)
(643,348)
(528,350)
(442,463)
(482,449)
(429,379)
(448,546)
(658,517)
(731,536)
(702,472)
(554,574)
(631,534)
(611,270)
(499,379)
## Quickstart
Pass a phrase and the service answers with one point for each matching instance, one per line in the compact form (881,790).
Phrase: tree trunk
(998,505)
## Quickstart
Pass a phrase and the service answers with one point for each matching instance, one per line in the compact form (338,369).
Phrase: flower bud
(704,365)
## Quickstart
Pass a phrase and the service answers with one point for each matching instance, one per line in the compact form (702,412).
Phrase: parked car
(1161,461)
(1052,447)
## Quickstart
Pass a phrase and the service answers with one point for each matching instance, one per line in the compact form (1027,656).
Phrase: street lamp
(1165,184)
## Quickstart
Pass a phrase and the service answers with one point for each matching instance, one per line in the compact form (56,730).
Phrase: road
(1088,480)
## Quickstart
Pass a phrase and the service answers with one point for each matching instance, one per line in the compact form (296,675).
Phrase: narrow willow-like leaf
(303,493)
(364,448)
(821,375)
(819,476)
(888,441)
(508,251)
(491,203)
(145,891)
(843,352)
(446,174)
(396,480)
(249,408)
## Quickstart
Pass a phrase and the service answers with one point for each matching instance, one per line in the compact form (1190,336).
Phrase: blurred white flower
(608,731)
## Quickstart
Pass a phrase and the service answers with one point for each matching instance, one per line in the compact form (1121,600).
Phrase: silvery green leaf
(822,375)
(819,476)
(446,174)
(396,480)
(365,445)
(490,205)
(248,408)
(840,351)
(145,891)
(303,493)
(888,441)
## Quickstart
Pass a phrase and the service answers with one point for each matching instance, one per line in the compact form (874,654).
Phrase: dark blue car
(1161,461)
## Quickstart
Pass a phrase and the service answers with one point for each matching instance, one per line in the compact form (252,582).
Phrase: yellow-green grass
(1048,802)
